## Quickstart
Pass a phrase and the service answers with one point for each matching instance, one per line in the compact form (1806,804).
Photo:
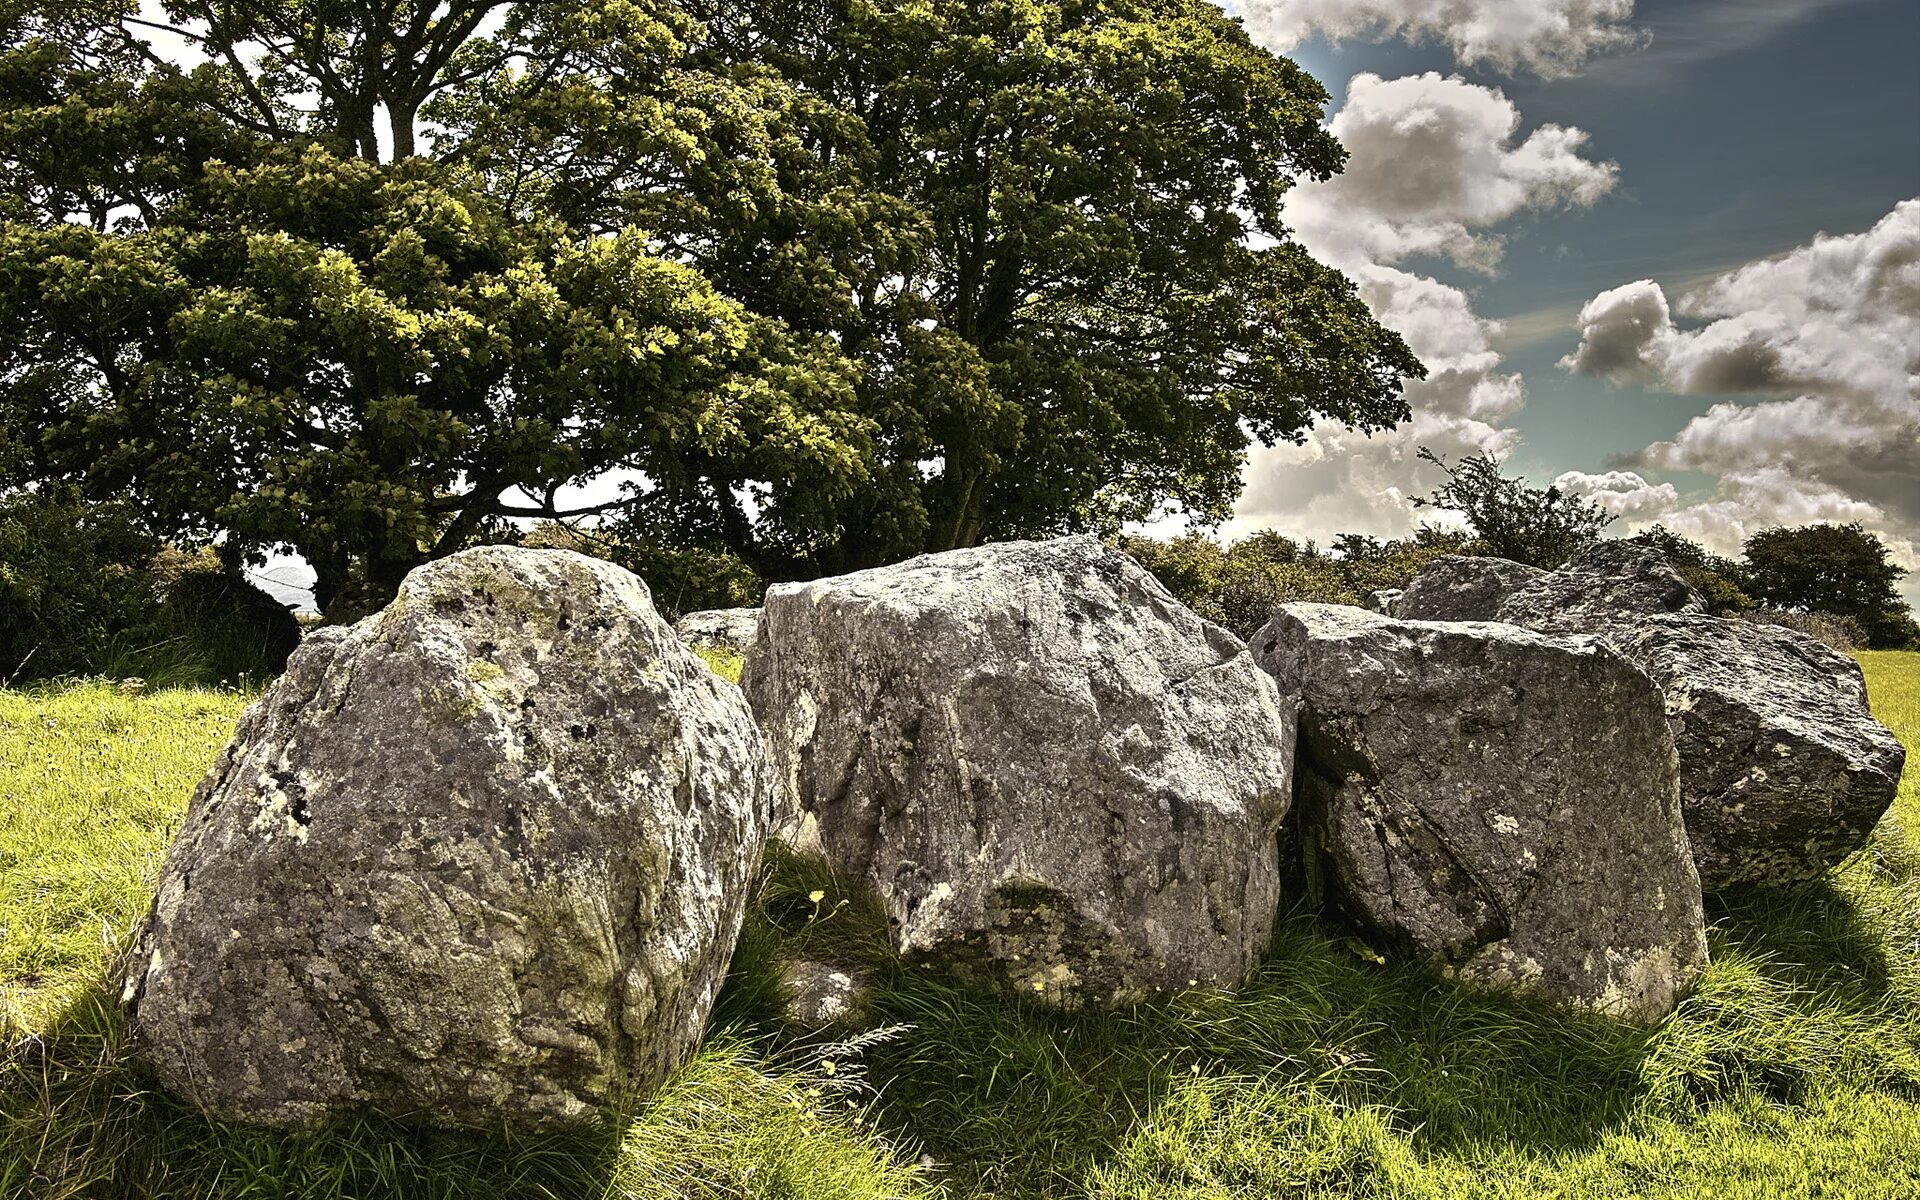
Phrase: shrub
(75,595)
(86,590)
(1240,585)
(1841,633)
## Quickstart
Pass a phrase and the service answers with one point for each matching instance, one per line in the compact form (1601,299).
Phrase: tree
(1840,569)
(233,294)
(825,283)
(1539,527)
(1085,298)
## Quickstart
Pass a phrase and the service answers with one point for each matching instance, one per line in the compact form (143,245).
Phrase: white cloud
(1432,161)
(1550,37)
(1822,344)
(1434,167)
(1625,494)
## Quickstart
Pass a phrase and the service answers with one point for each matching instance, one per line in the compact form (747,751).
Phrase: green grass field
(1793,1071)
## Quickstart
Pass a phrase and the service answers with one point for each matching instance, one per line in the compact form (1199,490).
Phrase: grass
(1793,1071)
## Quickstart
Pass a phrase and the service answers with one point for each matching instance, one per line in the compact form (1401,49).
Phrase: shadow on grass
(1015,1100)
(1810,987)
(79,1119)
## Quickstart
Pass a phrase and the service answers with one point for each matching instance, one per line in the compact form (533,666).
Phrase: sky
(1665,253)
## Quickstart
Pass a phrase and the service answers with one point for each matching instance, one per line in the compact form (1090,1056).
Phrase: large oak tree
(827,283)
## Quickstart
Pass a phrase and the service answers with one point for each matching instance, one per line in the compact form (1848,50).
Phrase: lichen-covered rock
(1783,769)
(1604,582)
(1054,775)
(1383,600)
(729,629)
(480,859)
(823,995)
(1463,588)
(1503,801)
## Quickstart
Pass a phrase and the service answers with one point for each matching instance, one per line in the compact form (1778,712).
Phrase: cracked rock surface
(1056,777)
(1783,769)
(1502,801)
(479,859)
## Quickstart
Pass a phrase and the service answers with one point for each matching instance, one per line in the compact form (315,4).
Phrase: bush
(86,590)
(75,593)
(1840,632)
(1240,585)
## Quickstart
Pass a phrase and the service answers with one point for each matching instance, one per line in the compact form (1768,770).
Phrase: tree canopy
(826,283)
(1839,569)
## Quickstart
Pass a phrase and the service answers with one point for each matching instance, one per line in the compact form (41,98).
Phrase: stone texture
(1461,588)
(1783,770)
(1503,801)
(1055,776)
(1383,600)
(480,859)
(822,995)
(1604,582)
(730,629)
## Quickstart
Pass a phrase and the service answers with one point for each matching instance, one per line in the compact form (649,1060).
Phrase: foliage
(1829,629)
(826,283)
(1241,584)
(1069,325)
(71,586)
(1839,569)
(1540,527)
(269,332)
(85,589)
(1793,1071)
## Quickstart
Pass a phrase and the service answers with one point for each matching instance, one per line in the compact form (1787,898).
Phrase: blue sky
(1717,134)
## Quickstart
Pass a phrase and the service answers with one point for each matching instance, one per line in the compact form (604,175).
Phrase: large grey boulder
(480,859)
(1055,776)
(1459,587)
(1783,769)
(729,629)
(1603,583)
(1502,801)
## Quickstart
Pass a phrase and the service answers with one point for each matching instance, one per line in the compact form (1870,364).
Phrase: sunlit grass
(1793,1071)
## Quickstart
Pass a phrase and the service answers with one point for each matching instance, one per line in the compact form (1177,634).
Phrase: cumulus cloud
(1625,494)
(1434,167)
(1433,160)
(1819,349)
(1548,37)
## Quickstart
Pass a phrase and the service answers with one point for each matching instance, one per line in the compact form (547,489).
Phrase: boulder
(1604,582)
(1055,776)
(1383,600)
(729,629)
(1502,801)
(1783,769)
(1459,587)
(823,995)
(478,860)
